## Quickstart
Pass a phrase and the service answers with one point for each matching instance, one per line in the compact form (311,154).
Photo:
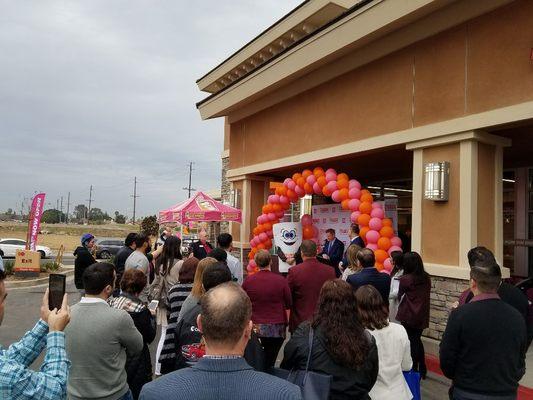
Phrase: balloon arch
(375,229)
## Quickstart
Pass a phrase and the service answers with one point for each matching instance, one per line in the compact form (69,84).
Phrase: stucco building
(378,89)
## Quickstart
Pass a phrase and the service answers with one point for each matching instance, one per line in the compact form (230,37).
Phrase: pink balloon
(332,186)
(394,248)
(311,179)
(306,220)
(331,176)
(354,216)
(387,265)
(286,181)
(375,224)
(259,220)
(377,213)
(273,199)
(353,204)
(384,271)
(249,268)
(396,241)
(316,188)
(377,205)
(331,171)
(354,184)
(284,200)
(271,216)
(354,193)
(372,246)
(253,242)
(336,196)
(372,236)
(263,237)
(291,184)
(252,263)
(315,231)
(280,214)
(299,191)
(270,234)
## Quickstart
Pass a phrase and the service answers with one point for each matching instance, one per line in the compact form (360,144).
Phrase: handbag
(313,385)
(413,381)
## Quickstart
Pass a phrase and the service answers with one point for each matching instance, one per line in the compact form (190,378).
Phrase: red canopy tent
(200,208)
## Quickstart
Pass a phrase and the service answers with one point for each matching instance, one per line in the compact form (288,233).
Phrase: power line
(190,189)
(68,208)
(134,198)
(61,213)
(90,201)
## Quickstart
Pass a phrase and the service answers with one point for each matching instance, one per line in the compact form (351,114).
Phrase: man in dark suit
(201,248)
(333,250)
(305,281)
(225,322)
(353,234)
(369,275)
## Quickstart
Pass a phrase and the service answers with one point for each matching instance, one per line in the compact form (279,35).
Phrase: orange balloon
(267,226)
(278,191)
(363,231)
(318,172)
(366,197)
(344,193)
(301,182)
(308,188)
(384,243)
(387,222)
(306,173)
(326,192)
(291,194)
(322,181)
(261,246)
(345,204)
(308,232)
(268,244)
(296,176)
(343,183)
(365,207)
(379,266)
(256,231)
(381,255)
(343,177)
(276,207)
(251,255)
(387,231)
(363,219)
(364,191)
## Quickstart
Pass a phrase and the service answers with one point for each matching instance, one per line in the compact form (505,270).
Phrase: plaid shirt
(17,382)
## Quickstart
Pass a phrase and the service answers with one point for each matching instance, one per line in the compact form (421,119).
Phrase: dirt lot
(55,235)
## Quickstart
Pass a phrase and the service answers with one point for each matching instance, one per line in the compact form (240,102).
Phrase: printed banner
(34,223)
(288,238)
(332,216)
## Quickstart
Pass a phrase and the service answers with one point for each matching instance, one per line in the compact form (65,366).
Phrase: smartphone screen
(56,290)
(153,305)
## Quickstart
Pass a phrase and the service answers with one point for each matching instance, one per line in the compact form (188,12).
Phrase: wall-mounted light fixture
(437,178)
(235,198)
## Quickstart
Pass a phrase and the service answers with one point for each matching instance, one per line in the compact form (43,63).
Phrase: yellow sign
(27,263)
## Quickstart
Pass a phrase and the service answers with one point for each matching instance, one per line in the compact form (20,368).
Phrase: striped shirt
(17,382)
(176,296)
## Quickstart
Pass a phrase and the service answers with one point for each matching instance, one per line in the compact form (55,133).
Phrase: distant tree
(52,216)
(9,211)
(97,214)
(150,226)
(80,211)
(119,218)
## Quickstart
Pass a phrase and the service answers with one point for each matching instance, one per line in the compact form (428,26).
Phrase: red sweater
(270,296)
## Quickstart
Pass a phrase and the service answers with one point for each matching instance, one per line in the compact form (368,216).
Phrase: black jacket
(347,383)
(199,251)
(187,333)
(484,347)
(83,259)
(120,262)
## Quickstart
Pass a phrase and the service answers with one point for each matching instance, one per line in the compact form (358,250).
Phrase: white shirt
(92,300)
(235,267)
(394,353)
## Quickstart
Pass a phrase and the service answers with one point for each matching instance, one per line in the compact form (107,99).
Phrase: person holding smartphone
(17,381)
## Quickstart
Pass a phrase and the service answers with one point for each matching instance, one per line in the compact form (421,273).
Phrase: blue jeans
(127,396)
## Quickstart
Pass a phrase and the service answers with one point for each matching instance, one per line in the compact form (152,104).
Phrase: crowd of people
(221,333)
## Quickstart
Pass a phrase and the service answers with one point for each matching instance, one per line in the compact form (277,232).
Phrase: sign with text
(332,216)
(27,263)
(34,223)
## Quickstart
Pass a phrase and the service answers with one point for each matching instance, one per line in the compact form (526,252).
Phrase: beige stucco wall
(485,211)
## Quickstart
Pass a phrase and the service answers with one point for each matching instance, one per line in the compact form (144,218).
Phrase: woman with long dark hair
(167,269)
(396,273)
(342,347)
(394,350)
(413,311)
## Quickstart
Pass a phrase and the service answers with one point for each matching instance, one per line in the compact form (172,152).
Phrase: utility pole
(68,208)
(90,201)
(57,204)
(190,189)
(61,211)
(134,197)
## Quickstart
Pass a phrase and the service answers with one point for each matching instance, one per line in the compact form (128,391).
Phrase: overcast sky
(99,91)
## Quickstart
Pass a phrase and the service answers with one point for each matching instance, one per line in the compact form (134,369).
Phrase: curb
(67,271)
